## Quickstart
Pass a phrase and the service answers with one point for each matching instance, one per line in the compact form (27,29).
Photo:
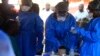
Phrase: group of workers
(61,32)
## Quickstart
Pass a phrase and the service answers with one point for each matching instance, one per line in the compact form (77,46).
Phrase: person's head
(94,8)
(5,1)
(35,8)
(61,9)
(61,50)
(25,7)
(81,7)
(47,6)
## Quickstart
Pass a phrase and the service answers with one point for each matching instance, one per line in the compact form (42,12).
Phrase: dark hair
(62,6)
(94,7)
(62,47)
(12,26)
(35,8)
(26,2)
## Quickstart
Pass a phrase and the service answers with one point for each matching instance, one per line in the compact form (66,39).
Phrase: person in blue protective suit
(5,45)
(58,27)
(91,35)
(30,32)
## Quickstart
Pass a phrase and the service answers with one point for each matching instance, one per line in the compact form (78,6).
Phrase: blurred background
(72,7)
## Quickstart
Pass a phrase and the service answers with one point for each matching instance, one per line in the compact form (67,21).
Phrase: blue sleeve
(73,36)
(91,35)
(73,21)
(6,44)
(39,32)
(51,41)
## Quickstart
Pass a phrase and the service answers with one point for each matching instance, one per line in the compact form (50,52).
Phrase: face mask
(61,18)
(25,8)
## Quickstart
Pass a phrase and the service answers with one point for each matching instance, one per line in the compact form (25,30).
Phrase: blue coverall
(30,33)
(91,38)
(58,33)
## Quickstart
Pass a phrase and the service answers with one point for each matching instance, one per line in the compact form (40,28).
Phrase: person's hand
(73,30)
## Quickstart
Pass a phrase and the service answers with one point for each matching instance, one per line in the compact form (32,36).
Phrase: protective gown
(30,33)
(58,33)
(91,38)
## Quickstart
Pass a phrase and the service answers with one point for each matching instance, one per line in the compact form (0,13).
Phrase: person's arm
(90,35)
(73,36)
(51,41)
(39,32)
(73,20)
(5,45)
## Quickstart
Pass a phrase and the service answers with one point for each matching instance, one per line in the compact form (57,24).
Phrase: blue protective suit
(58,33)
(91,38)
(5,45)
(30,33)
